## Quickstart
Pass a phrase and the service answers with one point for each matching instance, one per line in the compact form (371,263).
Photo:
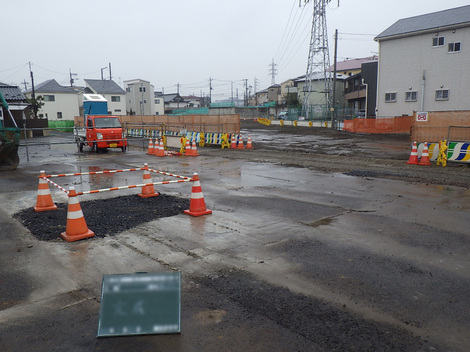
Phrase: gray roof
(106,86)
(459,16)
(51,86)
(11,93)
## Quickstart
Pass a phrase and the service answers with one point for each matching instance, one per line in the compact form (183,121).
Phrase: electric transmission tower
(318,78)
(273,72)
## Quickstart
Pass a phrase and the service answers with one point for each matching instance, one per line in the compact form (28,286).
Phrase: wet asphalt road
(290,260)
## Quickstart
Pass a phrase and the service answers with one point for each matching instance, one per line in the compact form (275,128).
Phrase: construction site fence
(440,125)
(399,125)
(217,123)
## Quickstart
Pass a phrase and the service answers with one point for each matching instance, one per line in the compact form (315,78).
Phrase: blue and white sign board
(140,304)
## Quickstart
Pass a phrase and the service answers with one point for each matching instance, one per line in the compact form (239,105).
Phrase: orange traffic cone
(194,149)
(160,149)
(249,145)
(197,205)
(150,148)
(76,228)
(413,155)
(240,143)
(425,156)
(188,151)
(233,142)
(148,190)
(44,200)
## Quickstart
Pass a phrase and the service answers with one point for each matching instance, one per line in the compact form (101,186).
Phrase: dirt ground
(234,304)
(372,155)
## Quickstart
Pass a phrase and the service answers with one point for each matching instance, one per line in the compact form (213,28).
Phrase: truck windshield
(107,122)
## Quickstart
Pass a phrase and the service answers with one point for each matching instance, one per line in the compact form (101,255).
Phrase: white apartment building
(140,98)
(424,64)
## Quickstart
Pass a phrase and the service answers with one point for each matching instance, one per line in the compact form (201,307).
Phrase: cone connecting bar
(133,186)
(54,184)
(96,172)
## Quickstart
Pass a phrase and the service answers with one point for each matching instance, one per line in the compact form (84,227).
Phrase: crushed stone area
(102,215)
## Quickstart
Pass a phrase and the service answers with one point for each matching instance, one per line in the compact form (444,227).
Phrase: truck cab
(104,131)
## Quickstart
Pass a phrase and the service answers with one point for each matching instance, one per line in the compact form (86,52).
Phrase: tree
(291,99)
(36,104)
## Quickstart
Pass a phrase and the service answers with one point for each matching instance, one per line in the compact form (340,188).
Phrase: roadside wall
(436,127)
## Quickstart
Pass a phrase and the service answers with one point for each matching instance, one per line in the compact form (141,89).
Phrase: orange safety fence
(387,125)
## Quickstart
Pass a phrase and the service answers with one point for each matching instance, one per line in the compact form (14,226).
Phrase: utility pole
(333,108)
(246,92)
(231,92)
(210,91)
(33,95)
(104,68)
(110,77)
(25,84)
(178,97)
(273,72)
(71,77)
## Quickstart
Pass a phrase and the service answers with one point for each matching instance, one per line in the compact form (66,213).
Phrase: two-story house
(60,103)
(424,64)
(110,90)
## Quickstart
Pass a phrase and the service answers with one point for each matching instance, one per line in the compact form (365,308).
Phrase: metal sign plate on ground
(139,304)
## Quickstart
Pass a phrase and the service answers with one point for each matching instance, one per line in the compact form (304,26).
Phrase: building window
(117,110)
(115,98)
(157,101)
(411,96)
(141,89)
(390,97)
(454,47)
(49,98)
(59,115)
(129,89)
(438,41)
(442,94)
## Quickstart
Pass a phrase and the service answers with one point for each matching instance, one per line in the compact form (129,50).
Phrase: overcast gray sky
(168,42)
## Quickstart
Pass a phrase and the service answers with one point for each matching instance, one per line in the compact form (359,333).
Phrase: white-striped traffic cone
(148,190)
(76,228)
(197,205)
(44,200)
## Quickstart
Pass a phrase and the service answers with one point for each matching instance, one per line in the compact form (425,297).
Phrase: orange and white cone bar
(76,228)
(44,200)
(197,205)
(148,189)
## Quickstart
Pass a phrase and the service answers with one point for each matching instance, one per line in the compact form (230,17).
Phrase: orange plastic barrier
(388,125)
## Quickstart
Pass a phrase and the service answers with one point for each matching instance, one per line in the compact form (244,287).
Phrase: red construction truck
(101,132)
